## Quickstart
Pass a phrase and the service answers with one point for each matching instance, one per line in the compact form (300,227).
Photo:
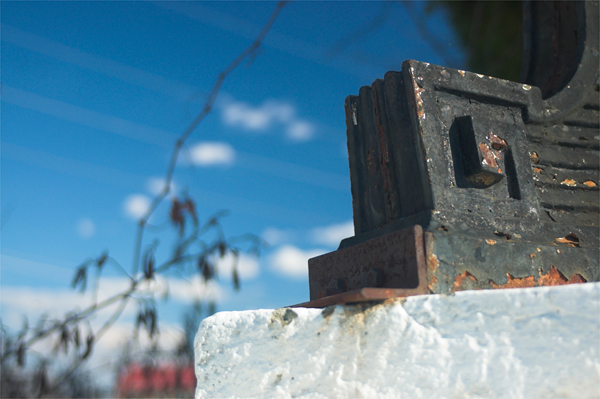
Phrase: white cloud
(300,131)
(121,333)
(86,228)
(333,234)
(33,302)
(186,291)
(136,205)
(155,186)
(247,267)
(275,236)
(292,261)
(212,153)
(263,117)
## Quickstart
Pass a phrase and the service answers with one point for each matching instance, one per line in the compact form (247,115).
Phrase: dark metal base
(415,261)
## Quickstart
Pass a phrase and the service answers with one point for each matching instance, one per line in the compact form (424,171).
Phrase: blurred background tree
(491,33)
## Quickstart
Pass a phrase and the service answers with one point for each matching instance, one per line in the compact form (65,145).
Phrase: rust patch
(497,142)
(570,239)
(488,156)
(432,264)
(462,73)
(555,277)
(490,242)
(577,279)
(532,256)
(463,281)
(535,158)
(515,282)
(590,183)
(538,170)
(568,182)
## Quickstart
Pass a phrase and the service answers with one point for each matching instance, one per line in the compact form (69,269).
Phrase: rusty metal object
(396,260)
(502,177)
(361,295)
(445,263)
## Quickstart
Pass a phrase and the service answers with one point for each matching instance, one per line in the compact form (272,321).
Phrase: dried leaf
(80,278)
(42,381)
(176,216)
(222,248)
(236,279)
(153,330)
(191,208)
(21,354)
(205,268)
(64,339)
(76,338)
(89,346)
(102,259)
(149,263)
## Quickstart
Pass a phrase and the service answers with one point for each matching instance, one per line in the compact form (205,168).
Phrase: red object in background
(166,381)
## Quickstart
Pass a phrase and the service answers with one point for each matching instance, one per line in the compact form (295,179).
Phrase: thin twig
(208,105)
(127,294)
(437,46)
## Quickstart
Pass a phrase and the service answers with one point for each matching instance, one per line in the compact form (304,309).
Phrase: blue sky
(94,95)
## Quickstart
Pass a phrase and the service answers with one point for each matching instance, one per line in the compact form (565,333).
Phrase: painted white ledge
(513,343)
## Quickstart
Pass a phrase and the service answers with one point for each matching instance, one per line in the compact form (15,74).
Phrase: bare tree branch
(208,105)
(147,315)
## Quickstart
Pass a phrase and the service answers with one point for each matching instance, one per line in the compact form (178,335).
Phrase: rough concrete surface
(513,343)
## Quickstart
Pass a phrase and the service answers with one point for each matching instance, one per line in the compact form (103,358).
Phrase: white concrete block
(514,343)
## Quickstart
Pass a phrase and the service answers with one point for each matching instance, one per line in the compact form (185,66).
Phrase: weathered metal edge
(376,294)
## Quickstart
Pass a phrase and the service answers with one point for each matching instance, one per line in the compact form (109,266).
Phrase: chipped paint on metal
(462,73)
(570,239)
(490,241)
(462,279)
(488,156)
(432,263)
(568,182)
(555,277)
(498,143)
(535,158)
(418,101)
(354,120)
(526,87)
(514,282)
